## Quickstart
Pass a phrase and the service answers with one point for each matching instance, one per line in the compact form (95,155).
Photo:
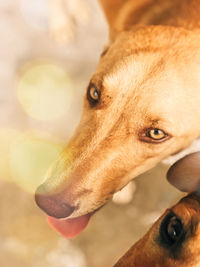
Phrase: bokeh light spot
(44,91)
(8,137)
(30,159)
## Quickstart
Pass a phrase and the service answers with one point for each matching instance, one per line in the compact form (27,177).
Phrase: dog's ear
(185,173)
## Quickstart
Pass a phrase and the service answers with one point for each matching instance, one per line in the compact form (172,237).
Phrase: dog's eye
(171,230)
(93,94)
(153,135)
(156,134)
(174,229)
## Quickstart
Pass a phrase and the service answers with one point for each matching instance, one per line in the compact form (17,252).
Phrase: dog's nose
(53,204)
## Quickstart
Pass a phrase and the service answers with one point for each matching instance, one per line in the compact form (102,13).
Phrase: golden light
(44,91)
(29,160)
(8,137)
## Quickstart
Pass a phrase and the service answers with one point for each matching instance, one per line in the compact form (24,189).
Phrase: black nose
(53,205)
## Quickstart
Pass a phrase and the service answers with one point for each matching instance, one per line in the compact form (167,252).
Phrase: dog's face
(141,106)
(174,240)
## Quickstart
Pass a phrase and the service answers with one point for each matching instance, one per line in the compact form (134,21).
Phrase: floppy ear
(185,173)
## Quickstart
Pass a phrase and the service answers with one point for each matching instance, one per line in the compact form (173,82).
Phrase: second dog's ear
(185,173)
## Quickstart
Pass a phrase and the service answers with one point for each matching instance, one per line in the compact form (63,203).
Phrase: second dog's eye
(171,230)
(93,94)
(174,229)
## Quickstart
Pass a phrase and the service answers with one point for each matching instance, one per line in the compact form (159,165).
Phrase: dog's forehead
(148,81)
(127,74)
(131,74)
(143,78)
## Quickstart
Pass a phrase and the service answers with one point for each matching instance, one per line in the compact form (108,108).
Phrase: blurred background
(47,56)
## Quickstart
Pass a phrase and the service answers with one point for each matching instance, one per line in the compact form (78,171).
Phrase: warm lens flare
(8,137)
(44,91)
(25,158)
(30,159)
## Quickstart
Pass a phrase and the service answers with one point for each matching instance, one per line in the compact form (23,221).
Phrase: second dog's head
(174,239)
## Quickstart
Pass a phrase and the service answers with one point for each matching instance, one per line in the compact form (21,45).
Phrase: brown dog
(141,105)
(174,240)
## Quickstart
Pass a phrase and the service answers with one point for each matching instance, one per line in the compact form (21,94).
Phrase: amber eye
(93,95)
(156,134)
(153,135)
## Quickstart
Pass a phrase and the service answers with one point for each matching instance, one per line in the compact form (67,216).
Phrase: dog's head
(174,239)
(141,106)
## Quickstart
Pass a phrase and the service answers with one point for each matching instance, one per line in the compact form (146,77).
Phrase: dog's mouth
(70,228)
(61,216)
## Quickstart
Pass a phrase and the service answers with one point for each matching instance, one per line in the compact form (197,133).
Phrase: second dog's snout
(53,204)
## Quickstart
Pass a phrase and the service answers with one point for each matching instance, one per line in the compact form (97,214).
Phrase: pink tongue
(69,227)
